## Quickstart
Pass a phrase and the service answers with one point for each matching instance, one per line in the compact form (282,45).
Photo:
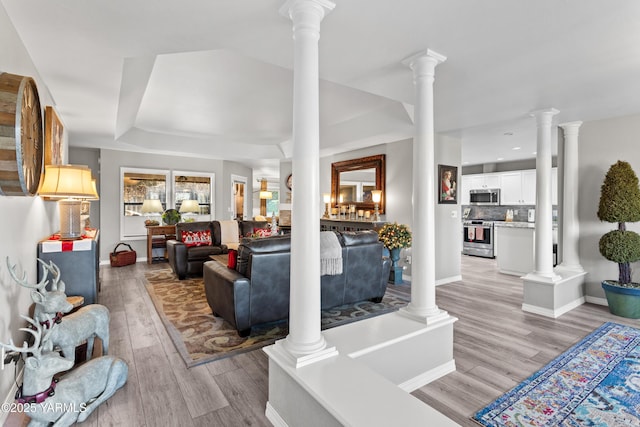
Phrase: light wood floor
(496,345)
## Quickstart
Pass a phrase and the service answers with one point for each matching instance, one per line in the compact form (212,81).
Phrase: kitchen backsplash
(498,213)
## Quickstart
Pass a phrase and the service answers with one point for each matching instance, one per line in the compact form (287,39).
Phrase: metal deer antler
(37,335)
(40,286)
(77,394)
(84,324)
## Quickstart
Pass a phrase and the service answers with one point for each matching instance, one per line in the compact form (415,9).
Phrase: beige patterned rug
(200,337)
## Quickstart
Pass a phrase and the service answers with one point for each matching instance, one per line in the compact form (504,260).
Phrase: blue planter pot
(623,301)
(395,275)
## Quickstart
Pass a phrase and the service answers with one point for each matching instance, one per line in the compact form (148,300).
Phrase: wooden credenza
(345,225)
(78,263)
(157,236)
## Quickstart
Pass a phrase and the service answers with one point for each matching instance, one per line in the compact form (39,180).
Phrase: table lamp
(190,207)
(376,196)
(70,184)
(85,208)
(150,207)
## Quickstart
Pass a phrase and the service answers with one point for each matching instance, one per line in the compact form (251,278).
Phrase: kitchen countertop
(514,224)
(518,224)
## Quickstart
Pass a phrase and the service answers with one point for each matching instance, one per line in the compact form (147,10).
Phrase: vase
(622,301)
(395,275)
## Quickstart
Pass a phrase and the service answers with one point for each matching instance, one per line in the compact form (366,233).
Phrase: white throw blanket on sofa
(330,254)
(230,234)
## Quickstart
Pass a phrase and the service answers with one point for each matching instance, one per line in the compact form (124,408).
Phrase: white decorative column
(550,292)
(423,284)
(570,224)
(543,265)
(305,336)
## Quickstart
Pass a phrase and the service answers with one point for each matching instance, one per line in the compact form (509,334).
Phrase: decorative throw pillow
(196,238)
(233,259)
(261,232)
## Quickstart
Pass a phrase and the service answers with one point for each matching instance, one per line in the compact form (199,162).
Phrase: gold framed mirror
(353,180)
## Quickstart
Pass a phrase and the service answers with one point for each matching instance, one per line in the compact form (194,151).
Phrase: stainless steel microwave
(484,196)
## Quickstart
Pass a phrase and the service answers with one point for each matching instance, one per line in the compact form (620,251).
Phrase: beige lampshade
(266,195)
(94,189)
(188,206)
(64,181)
(151,206)
(376,196)
(326,197)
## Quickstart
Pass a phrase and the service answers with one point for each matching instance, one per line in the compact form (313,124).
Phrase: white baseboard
(439,282)
(429,376)
(273,416)
(553,313)
(451,279)
(597,300)
(10,397)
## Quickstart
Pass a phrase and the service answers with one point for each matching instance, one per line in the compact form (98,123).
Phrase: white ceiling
(213,78)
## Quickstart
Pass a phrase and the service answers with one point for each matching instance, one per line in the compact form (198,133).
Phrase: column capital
(291,7)
(544,116)
(570,126)
(427,56)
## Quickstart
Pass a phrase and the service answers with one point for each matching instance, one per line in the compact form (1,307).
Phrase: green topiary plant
(620,202)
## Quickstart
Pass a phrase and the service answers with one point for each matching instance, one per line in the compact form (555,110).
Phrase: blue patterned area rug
(595,383)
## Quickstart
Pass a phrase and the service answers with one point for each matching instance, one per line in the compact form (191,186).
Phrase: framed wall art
(53,137)
(447,184)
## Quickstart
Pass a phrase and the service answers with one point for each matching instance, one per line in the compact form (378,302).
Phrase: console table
(157,236)
(346,225)
(78,263)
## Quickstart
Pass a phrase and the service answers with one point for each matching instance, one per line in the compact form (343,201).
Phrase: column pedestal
(552,297)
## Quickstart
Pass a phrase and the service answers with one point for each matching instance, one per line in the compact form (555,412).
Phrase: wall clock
(289,181)
(20,120)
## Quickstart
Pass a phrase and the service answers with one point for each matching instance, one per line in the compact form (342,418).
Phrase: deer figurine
(84,324)
(76,394)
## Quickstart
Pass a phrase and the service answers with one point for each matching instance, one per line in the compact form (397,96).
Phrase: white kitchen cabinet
(511,188)
(516,187)
(480,181)
(528,187)
(463,189)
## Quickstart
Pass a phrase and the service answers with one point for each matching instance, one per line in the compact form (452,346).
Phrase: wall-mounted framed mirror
(353,180)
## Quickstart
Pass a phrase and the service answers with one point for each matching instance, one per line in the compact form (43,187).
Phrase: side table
(166,231)
(78,263)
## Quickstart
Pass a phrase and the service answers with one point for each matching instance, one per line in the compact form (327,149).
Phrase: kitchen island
(515,246)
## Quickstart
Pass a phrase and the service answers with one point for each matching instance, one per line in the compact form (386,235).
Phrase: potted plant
(620,203)
(171,217)
(395,237)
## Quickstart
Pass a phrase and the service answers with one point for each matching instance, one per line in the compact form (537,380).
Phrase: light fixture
(376,196)
(326,197)
(71,184)
(266,195)
(190,207)
(151,207)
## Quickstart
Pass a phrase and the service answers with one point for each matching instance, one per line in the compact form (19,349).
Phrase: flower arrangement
(395,236)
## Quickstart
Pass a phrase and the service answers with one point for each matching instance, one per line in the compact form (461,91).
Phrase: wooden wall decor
(21,141)
(53,137)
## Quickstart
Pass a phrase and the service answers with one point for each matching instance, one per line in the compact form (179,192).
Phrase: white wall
(448,227)
(112,160)
(25,220)
(601,144)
